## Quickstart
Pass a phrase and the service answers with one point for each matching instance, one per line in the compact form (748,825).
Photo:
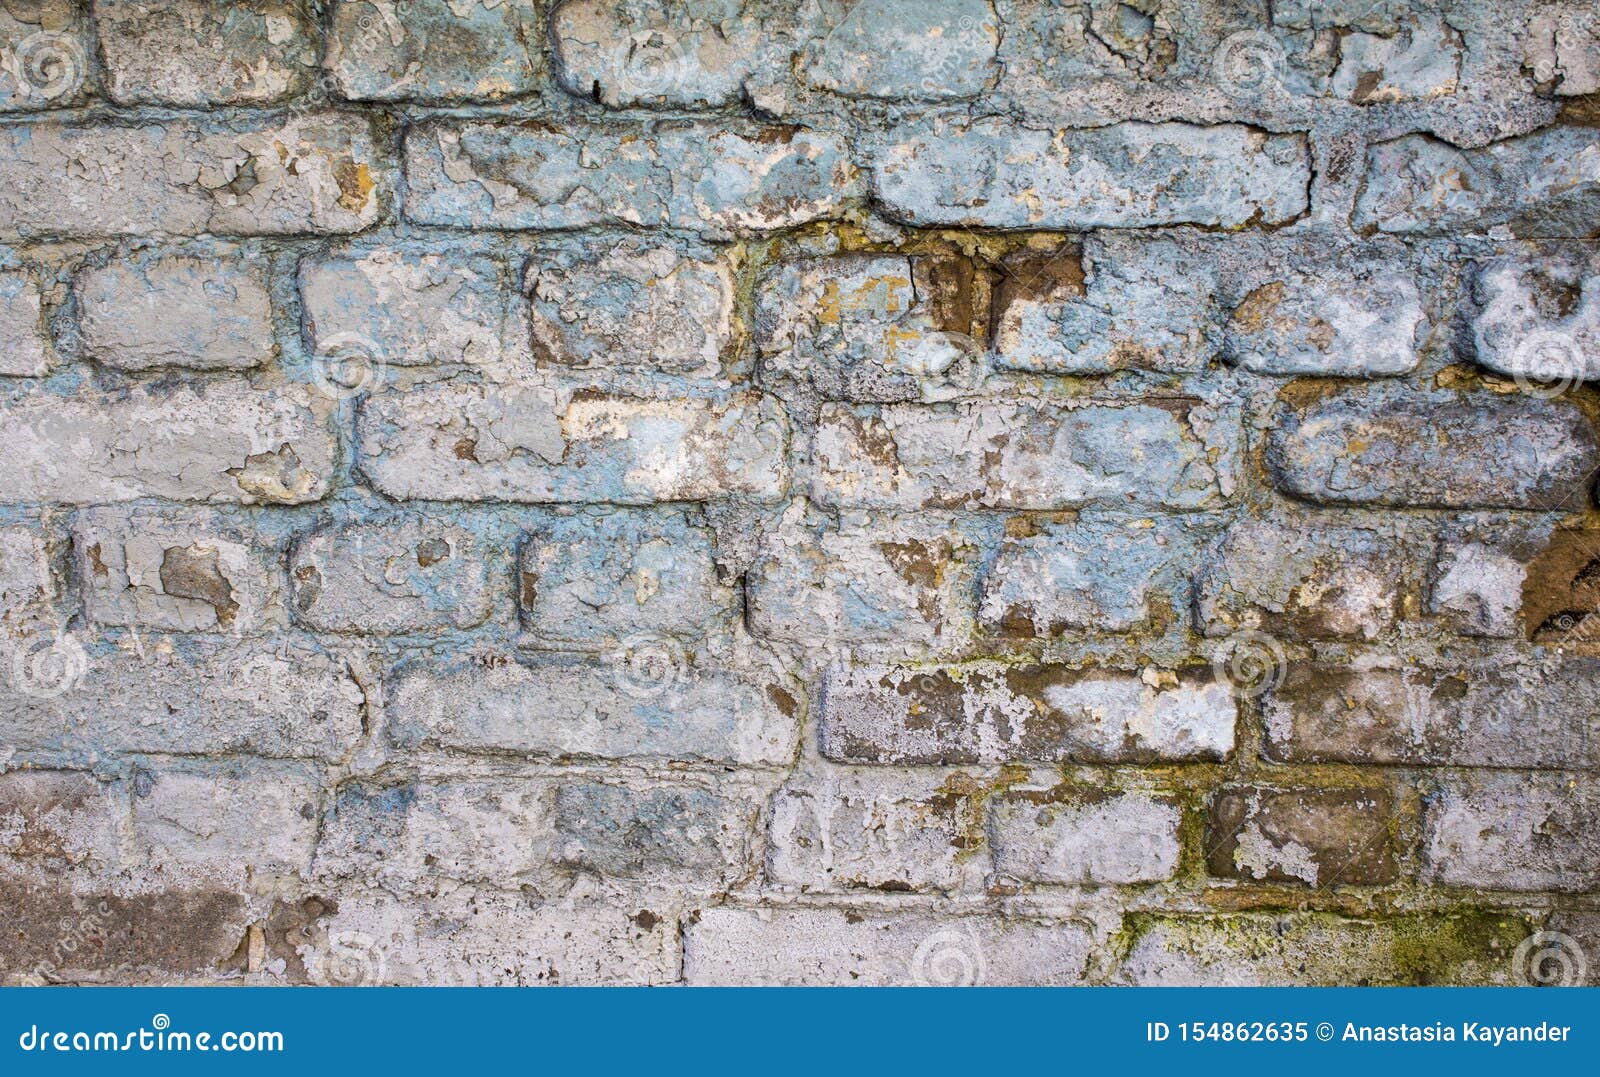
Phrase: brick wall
(499,491)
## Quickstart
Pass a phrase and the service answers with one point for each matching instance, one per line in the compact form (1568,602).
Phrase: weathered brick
(1311,950)
(1481,572)
(597,577)
(203,311)
(24,344)
(847,830)
(385,576)
(26,584)
(435,50)
(1179,454)
(1436,449)
(868,327)
(694,54)
(1540,316)
(1505,831)
(1320,837)
(993,174)
(1316,580)
(631,305)
(219,442)
(1089,575)
(291,701)
(1562,50)
(404,837)
(714,180)
(227,827)
(1364,321)
(461,441)
(619,831)
(1045,714)
(407,308)
(858,580)
(1085,839)
(316,173)
(47,44)
(65,824)
(815,947)
(1540,185)
(1489,713)
(564,708)
(939,50)
(178,570)
(194,53)
(1420,63)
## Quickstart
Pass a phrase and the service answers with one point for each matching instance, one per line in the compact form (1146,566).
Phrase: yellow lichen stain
(355,184)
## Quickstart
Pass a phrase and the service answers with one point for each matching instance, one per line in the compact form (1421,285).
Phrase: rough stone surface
(192,53)
(436,50)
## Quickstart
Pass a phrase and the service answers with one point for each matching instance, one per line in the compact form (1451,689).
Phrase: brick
(310,174)
(435,50)
(1312,949)
(940,50)
(1013,456)
(678,831)
(26,585)
(691,55)
(849,830)
(1435,449)
(1505,831)
(220,442)
(1489,713)
(208,311)
(382,577)
(713,180)
(632,306)
(599,577)
(1302,579)
(1044,714)
(406,837)
(1366,321)
(1089,575)
(1543,185)
(190,53)
(1540,316)
(178,570)
(1560,51)
(1090,839)
(407,308)
(48,44)
(1480,572)
(990,174)
(1420,63)
(1110,308)
(63,824)
(222,826)
(869,327)
(561,708)
(1320,837)
(24,344)
(488,939)
(862,580)
(464,442)
(837,947)
(288,702)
